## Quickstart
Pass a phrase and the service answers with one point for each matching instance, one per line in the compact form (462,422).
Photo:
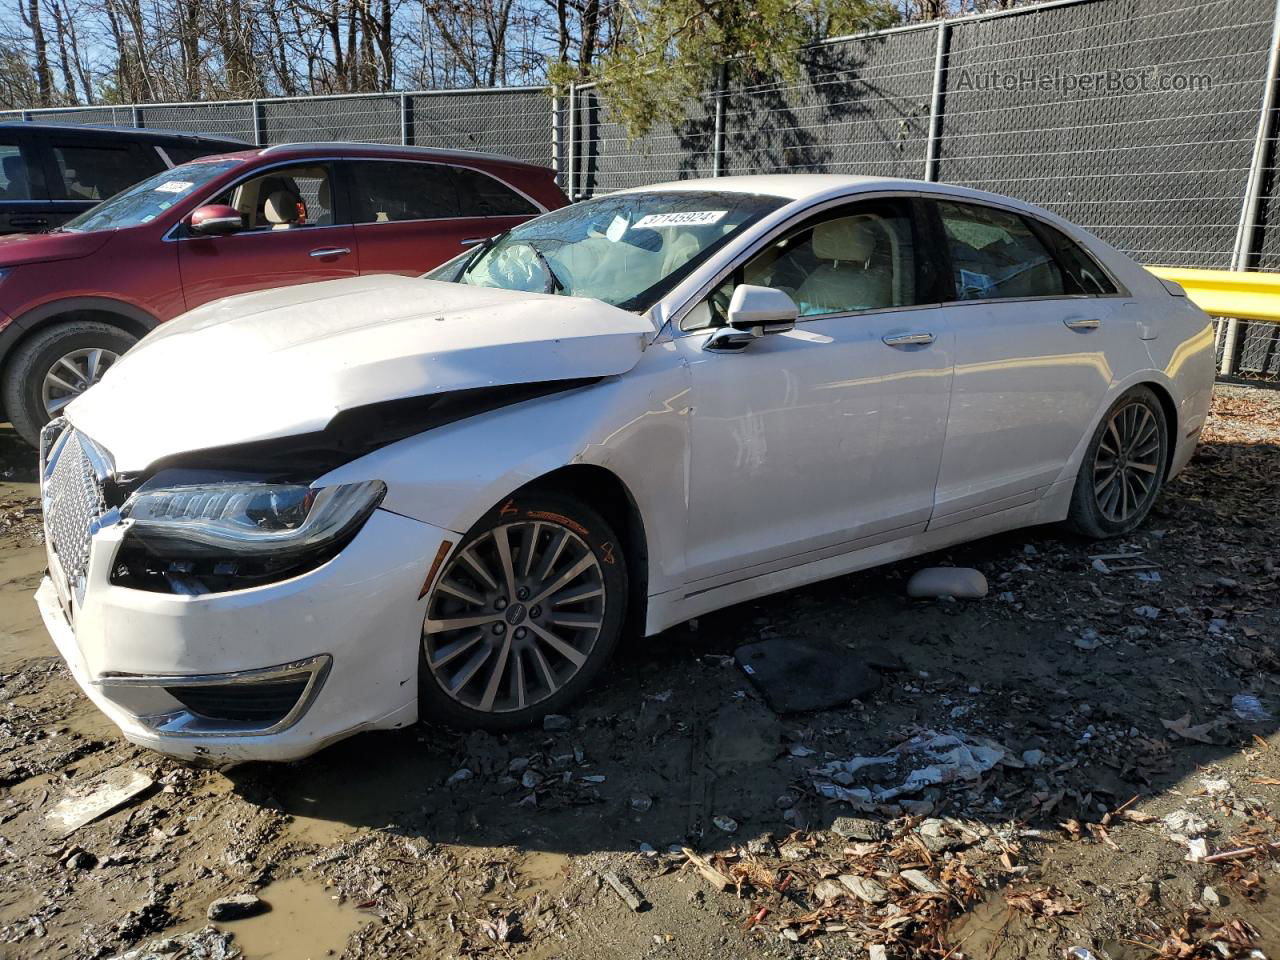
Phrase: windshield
(145,201)
(626,249)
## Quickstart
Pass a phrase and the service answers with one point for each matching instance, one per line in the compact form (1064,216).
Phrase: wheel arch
(606,493)
(1171,420)
(132,319)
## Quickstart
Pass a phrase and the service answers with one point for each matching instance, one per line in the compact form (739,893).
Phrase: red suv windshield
(145,201)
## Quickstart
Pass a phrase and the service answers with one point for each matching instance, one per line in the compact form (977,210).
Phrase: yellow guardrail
(1235,294)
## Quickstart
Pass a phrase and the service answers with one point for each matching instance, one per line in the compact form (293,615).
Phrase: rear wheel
(523,615)
(56,365)
(1123,468)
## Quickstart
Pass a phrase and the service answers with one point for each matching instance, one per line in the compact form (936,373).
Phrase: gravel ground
(1087,757)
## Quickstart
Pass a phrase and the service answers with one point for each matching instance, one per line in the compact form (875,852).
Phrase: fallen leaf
(1183,728)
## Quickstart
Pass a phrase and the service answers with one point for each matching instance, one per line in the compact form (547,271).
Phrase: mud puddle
(305,922)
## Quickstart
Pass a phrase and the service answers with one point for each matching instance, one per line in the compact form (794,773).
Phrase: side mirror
(754,312)
(216,220)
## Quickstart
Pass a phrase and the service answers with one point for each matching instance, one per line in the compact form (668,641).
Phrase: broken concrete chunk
(828,890)
(1210,897)
(865,889)
(555,723)
(626,889)
(963,583)
(99,797)
(919,880)
(239,907)
(857,828)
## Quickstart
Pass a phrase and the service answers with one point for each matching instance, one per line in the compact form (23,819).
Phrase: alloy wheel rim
(1127,463)
(73,374)
(514,616)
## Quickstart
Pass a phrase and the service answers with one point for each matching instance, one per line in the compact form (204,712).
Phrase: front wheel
(54,366)
(523,615)
(1123,468)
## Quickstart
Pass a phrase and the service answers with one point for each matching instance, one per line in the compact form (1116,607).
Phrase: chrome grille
(73,500)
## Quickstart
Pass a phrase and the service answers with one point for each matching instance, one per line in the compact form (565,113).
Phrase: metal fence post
(259,123)
(26,116)
(1247,230)
(931,150)
(555,133)
(136,115)
(717,142)
(404,119)
(571,179)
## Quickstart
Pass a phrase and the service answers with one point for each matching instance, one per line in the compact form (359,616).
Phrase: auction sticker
(689,218)
(174,186)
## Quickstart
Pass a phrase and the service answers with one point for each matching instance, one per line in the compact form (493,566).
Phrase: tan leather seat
(851,276)
(281,209)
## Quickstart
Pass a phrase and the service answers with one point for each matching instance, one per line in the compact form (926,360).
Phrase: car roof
(815,187)
(392,149)
(109,130)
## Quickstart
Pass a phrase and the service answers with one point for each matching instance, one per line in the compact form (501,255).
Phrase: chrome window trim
(677,315)
(185,723)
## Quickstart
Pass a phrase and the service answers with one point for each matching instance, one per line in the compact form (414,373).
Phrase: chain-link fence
(1149,122)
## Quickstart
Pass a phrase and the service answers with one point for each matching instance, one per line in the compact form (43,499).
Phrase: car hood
(283,362)
(19,248)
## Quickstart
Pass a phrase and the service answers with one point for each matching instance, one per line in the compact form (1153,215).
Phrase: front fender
(634,425)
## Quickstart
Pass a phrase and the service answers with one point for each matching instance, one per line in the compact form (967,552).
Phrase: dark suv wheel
(1123,468)
(523,615)
(54,366)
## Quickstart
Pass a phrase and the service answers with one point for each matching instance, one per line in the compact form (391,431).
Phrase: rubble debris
(208,943)
(962,583)
(727,824)
(707,870)
(237,907)
(1249,708)
(1184,728)
(627,891)
(796,676)
(106,793)
(920,881)
(556,723)
(856,828)
(864,888)
(949,757)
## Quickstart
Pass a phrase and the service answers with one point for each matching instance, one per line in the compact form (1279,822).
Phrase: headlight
(248,519)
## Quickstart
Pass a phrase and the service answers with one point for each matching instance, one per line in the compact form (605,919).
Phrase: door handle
(1079,323)
(20,221)
(909,339)
(331,252)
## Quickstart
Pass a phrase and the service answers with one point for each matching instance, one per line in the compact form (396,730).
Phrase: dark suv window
(15,184)
(483,196)
(388,191)
(93,172)
(996,255)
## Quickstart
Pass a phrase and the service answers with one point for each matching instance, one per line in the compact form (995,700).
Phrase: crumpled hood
(284,362)
(19,248)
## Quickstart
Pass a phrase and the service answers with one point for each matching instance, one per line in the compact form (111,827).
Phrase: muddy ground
(1114,716)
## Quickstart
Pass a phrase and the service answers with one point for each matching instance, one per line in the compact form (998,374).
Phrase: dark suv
(74,299)
(49,174)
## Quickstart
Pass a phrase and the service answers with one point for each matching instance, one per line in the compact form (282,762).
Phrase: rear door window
(484,196)
(995,255)
(1083,274)
(15,172)
(98,171)
(390,191)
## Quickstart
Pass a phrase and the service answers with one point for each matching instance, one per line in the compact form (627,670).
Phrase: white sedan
(293,515)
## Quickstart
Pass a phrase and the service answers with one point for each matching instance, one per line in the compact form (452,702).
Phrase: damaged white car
(290,516)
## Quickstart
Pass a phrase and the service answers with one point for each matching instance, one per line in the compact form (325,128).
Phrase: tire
(1113,494)
(37,356)
(552,650)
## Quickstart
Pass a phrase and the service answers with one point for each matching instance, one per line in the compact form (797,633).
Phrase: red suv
(74,300)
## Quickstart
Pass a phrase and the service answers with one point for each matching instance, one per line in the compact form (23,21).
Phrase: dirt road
(1074,687)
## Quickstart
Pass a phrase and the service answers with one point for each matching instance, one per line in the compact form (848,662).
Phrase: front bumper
(352,627)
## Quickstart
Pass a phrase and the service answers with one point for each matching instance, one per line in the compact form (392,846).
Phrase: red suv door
(294,233)
(412,215)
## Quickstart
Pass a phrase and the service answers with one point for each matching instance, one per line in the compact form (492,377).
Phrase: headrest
(281,207)
(13,168)
(323,195)
(849,238)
